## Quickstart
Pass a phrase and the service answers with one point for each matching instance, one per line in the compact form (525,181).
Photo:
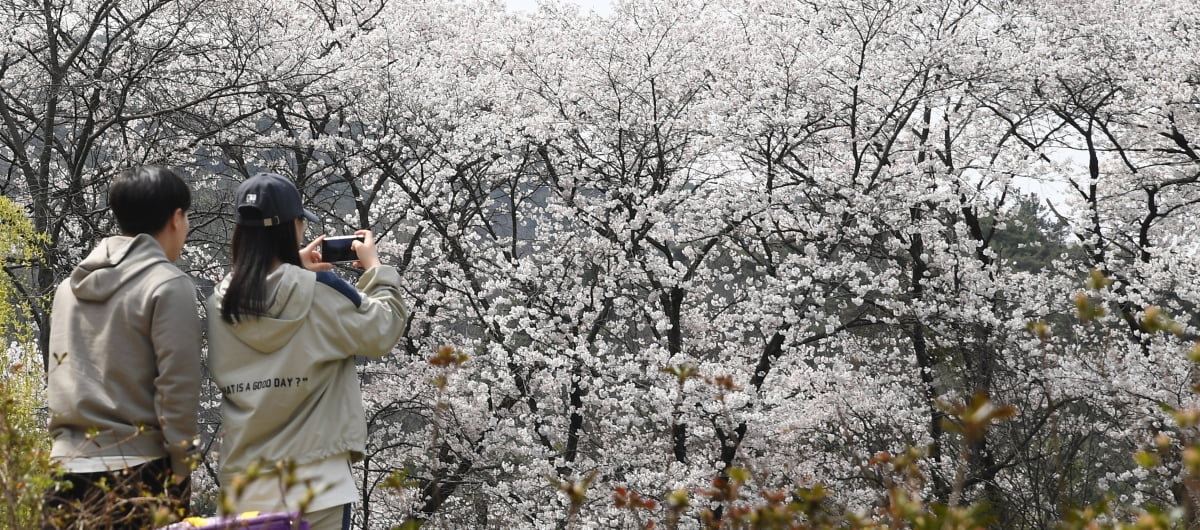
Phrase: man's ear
(172,222)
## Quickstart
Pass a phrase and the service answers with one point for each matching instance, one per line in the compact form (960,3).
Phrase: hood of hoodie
(290,290)
(112,264)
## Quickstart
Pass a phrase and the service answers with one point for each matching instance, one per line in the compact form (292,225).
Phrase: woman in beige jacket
(283,335)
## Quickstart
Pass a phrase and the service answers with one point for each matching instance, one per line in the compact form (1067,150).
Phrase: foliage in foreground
(25,468)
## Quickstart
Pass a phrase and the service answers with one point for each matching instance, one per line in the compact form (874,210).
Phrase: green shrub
(25,467)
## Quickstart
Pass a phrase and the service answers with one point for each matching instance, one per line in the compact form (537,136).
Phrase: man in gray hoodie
(124,374)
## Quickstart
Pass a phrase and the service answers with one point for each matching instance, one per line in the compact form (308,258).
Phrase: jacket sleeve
(175,334)
(378,323)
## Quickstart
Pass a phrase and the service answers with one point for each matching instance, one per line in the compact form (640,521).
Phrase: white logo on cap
(251,198)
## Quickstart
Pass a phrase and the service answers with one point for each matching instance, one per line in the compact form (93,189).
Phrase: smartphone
(336,249)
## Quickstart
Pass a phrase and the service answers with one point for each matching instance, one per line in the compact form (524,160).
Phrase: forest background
(679,239)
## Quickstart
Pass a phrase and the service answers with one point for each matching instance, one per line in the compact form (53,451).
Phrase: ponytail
(255,251)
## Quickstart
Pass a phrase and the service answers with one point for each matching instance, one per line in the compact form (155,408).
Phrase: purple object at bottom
(270,521)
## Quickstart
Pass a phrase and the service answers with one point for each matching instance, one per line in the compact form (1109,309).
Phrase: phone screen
(337,249)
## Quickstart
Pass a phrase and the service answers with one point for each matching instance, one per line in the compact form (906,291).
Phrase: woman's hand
(368,255)
(310,256)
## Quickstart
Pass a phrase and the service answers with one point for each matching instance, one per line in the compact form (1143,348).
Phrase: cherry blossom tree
(89,88)
(643,250)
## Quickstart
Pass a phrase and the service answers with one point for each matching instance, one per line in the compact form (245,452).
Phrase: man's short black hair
(143,199)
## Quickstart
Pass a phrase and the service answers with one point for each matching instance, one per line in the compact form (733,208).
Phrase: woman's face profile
(300,232)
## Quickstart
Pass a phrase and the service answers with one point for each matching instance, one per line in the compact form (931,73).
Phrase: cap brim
(312,217)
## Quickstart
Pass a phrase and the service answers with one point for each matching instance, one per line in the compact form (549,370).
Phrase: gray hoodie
(124,375)
(288,379)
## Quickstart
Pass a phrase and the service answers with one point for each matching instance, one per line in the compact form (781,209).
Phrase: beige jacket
(124,374)
(288,380)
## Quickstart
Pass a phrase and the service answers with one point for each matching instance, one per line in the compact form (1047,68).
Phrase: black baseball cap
(269,199)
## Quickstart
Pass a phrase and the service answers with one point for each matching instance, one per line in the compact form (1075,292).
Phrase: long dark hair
(255,250)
